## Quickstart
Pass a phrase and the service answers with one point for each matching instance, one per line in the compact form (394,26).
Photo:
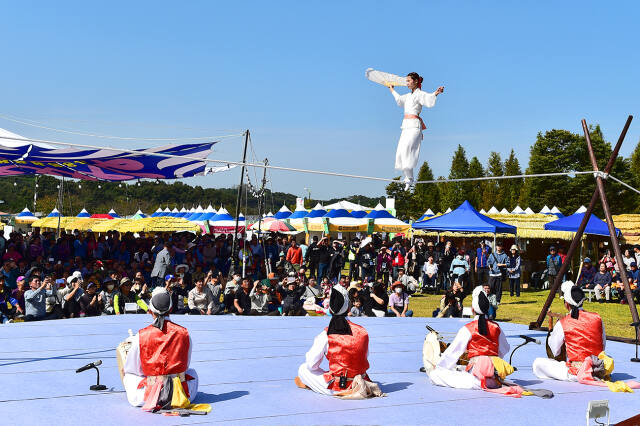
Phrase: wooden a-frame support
(600,194)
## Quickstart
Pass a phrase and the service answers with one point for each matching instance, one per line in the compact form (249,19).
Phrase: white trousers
(314,379)
(135,396)
(546,368)
(454,379)
(408,151)
(607,292)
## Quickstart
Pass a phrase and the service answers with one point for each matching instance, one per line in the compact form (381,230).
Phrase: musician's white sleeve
(316,354)
(133,364)
(503,345)
(455,349)
(556,339)
(399,98)
(427,99)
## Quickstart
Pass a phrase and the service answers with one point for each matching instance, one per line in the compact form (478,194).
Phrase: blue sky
(293,73)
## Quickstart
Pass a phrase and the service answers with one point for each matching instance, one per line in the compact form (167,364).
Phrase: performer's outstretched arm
(399,99)
(316,354)
(455,349)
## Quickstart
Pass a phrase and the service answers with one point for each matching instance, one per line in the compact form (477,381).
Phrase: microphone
(90,365)
(530,339)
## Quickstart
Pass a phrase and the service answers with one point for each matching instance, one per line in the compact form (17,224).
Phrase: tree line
(553,151)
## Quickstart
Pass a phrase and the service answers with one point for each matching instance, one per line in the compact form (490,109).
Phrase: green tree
(456,192)
(475,188)
(510,189)
(426,195)
(492,194)
(404,199)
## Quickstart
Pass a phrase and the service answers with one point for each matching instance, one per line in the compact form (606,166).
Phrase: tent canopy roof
(465,219)
(595,226)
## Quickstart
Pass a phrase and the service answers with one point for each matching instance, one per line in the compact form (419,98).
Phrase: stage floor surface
(246,367)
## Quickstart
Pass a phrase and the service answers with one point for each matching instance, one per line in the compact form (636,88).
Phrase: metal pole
(267,264)
(578,236)
(60,204)
(610,224)
(238,200)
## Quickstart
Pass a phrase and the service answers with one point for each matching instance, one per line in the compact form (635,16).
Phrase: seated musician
(580,331)
(155,367)
(346,346)
(482,339)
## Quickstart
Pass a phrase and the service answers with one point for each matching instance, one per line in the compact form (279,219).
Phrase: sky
(293,74)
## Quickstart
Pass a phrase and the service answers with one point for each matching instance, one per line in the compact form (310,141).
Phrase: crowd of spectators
(81,274)
(604,278)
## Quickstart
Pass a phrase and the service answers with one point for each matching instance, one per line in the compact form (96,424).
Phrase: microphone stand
(97,386)
(636,325)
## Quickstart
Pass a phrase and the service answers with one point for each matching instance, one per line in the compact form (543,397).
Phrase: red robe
(483,345)
(582,336)
(347,355)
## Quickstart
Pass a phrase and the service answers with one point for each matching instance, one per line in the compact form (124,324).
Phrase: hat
(461,252)
(160,304)
(281,253)
(514,247)
(354,284)
(633,264)
(91,284)
(182,265)
(272,276)
(587,260)
(265,282)
(339,300)
(397,283)
(71,279)
(480,305)
(552,248)
(20,278)
(169,277)
(574,296)
(124,281)
(365,242)
(430,244)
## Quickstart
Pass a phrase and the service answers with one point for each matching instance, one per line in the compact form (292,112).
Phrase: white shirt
(556,339)
(451,356)
(430,268)
(413,103)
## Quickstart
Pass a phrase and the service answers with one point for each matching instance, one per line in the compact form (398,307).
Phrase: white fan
(385,78)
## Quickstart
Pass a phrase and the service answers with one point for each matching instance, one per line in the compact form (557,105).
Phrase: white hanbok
(411,137)
(310,372)
(134,375)
(445,372)
(547,368)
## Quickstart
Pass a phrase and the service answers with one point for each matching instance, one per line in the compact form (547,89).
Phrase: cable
(624,184)
(310,171)
(95,135)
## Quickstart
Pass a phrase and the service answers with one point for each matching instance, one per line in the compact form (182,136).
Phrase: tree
(475,187)
(404,199)
(492,194)
(426,195)
(510,190)
(456,192)
(563,151)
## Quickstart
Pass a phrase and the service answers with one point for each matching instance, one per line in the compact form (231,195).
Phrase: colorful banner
(105,164)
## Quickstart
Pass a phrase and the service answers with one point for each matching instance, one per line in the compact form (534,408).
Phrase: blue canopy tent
(283,213)
(595,226)
(84,213)
(465,219)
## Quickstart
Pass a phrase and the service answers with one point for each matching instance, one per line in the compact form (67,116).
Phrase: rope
(624,184)
(95,135)
(310,171)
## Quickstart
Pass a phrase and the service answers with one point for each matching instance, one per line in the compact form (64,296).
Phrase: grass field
(526,308)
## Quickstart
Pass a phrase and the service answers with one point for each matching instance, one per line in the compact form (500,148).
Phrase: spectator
(627,258)
(459,269)
(313,253)
(354,270)
(242,300)
(429,273)
(161,265)
(497,271)
(384,264)
(410,284)
(366,260)
(450,304)
(398,260)
(336,262)
(514,271)
(481,262)
(587,274)
(10,273)
(554,262)
(179,292)
(636,254)
(602,282)
(71,295)
(377,302)
(230,292)
(493,302)
(260,298)
(399,301)
(107,296)
(125,295)
(200,299)
(608,260)
(8,304)
(324,257)
(18,294)
(291,297)
(89,303)
(294,256)
(35,301)
(214,284)
(356,309)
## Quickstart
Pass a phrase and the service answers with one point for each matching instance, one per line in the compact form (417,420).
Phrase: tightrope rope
(310,171)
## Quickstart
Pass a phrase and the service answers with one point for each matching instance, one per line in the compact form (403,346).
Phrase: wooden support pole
(577,238)
(610,224)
